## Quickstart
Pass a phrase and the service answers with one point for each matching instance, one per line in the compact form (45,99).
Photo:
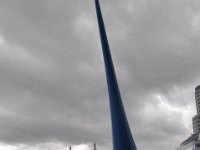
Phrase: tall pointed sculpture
(121,133)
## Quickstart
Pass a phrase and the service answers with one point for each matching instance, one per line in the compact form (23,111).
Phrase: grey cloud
(52,78)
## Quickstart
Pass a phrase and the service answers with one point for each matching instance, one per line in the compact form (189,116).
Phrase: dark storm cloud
(52,78)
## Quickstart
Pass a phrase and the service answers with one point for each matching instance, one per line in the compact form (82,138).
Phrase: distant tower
(193,142)
(121,133)
(95,147)
(196,119)
(70,148)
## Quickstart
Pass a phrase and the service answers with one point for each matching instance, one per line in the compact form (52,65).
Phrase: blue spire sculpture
(121,133)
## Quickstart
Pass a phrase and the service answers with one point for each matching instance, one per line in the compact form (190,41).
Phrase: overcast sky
(53,89)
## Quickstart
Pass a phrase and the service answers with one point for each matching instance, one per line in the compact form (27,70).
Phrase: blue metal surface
(121,133)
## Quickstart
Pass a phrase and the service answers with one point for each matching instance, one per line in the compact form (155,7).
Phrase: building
(94,147)
(193,142)
(196,119)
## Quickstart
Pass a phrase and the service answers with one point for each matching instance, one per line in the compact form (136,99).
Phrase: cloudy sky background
(52,82)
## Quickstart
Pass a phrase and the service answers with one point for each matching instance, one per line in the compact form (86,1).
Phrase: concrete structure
(121,133)
(193,142)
